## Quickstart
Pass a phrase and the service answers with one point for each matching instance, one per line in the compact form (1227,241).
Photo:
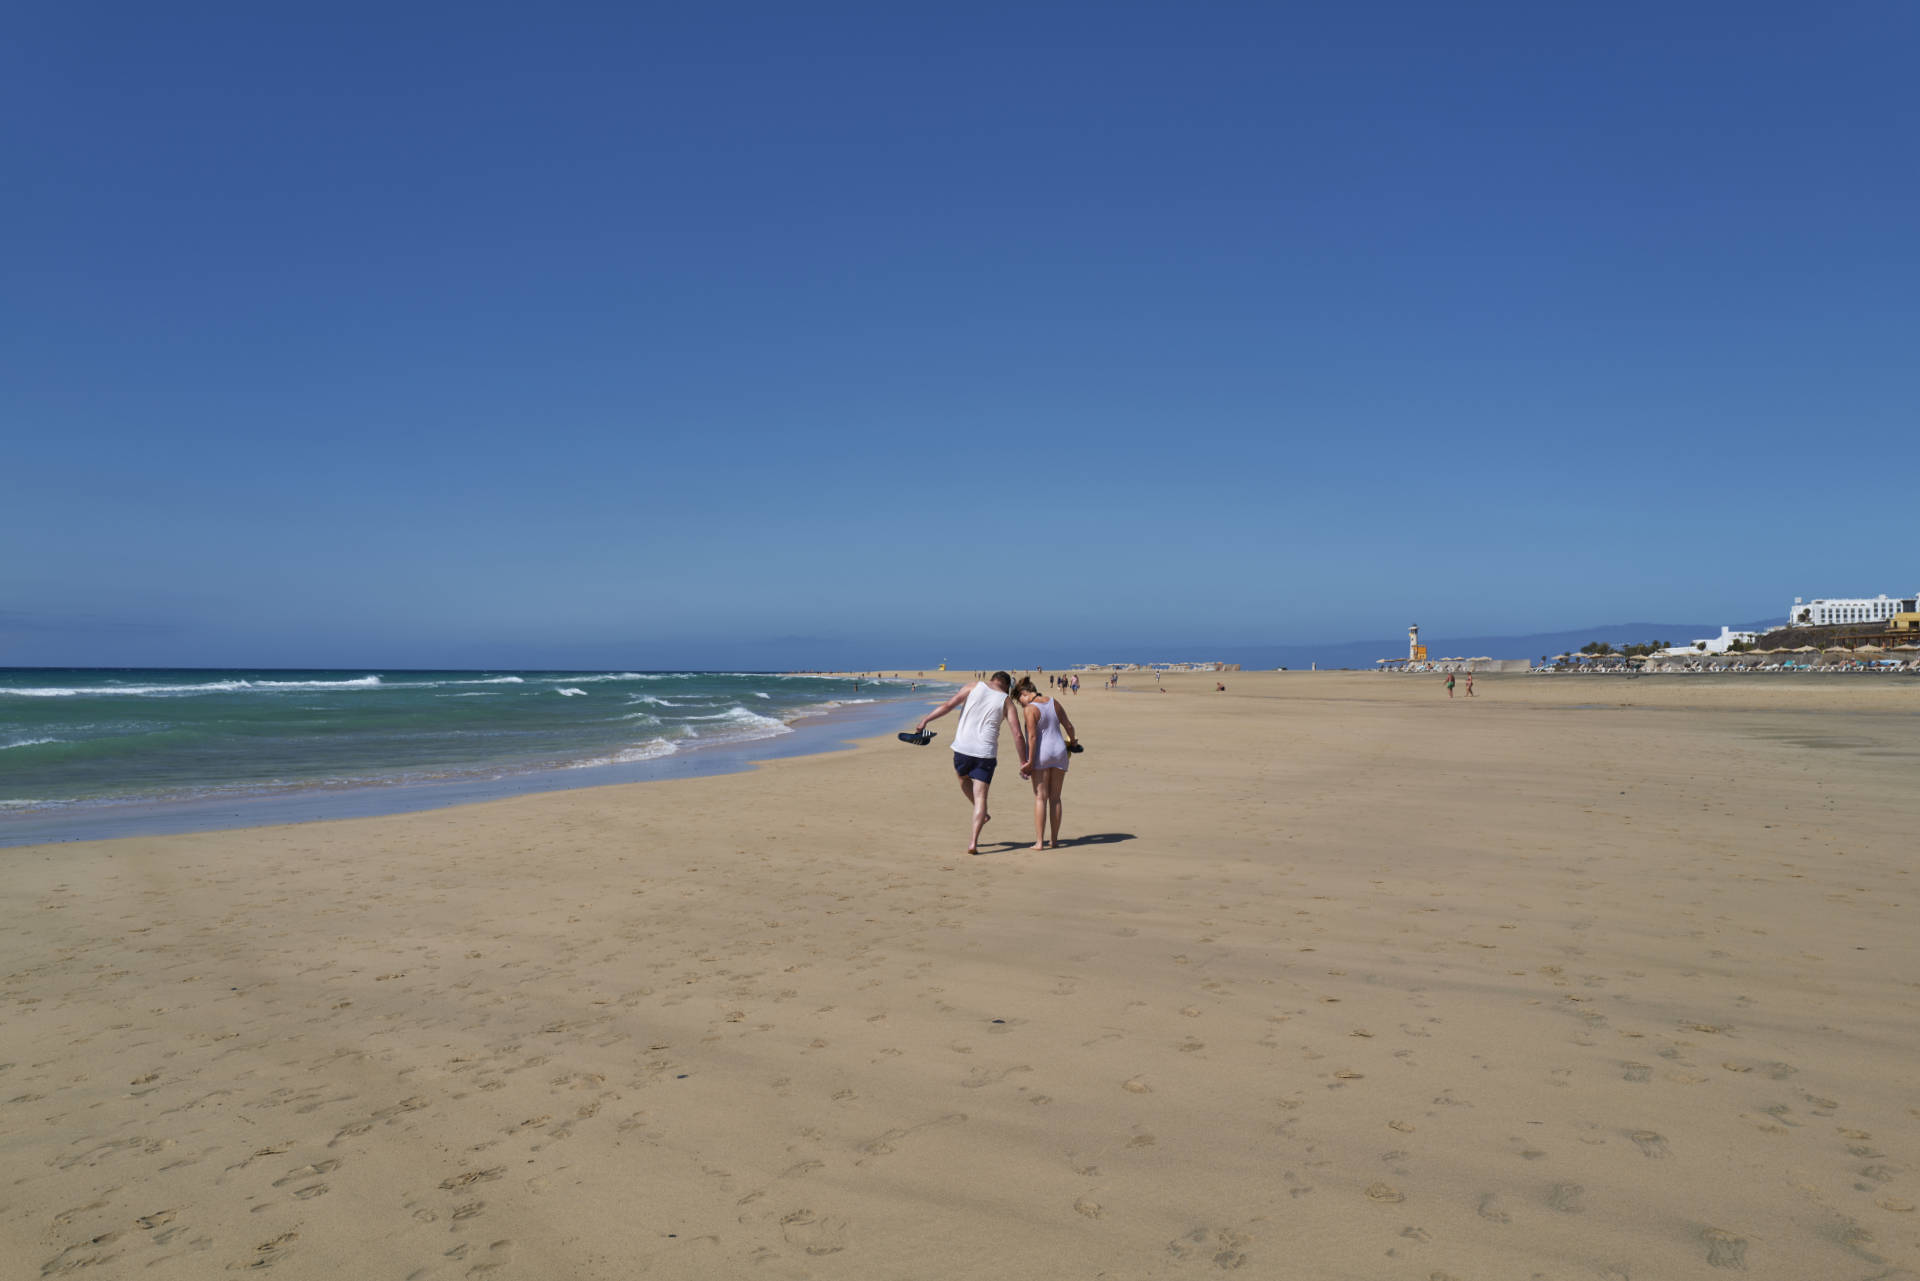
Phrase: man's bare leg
(977,793)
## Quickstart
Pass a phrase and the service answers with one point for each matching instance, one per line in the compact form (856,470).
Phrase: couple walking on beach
(1042,730)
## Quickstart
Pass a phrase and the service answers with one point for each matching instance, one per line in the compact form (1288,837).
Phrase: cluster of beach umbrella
(1744,656)
(1832,651)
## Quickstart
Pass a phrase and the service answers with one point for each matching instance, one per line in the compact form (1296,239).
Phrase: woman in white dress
(1050,732)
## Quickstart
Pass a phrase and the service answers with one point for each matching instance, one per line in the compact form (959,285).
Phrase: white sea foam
(600,677)
(758,694)
(657,702)
(639,716)
(651,750)
(571,692)
(475,693)
(208,687)
(744,719)
(30,742)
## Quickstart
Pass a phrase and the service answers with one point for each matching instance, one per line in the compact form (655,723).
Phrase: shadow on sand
(1097,838)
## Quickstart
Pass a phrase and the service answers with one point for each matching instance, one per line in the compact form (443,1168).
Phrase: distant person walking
(1469,684)
(1074,682)
(976,741)
(1045,721)
(1449,684)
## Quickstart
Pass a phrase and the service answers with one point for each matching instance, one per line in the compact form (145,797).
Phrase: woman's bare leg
(1056,780)
(1040,808)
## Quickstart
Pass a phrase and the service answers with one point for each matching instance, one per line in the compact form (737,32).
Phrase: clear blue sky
(770,333)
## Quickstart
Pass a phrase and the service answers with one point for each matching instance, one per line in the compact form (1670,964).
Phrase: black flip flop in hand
(919,739)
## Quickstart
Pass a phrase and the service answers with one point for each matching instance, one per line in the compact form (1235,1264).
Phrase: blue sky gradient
(778,335)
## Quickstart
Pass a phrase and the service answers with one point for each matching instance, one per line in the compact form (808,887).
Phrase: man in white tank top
(976,740)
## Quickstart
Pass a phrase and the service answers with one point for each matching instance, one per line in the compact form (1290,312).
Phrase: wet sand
(1334,979)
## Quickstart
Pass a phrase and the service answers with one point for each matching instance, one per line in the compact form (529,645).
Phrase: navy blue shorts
(974,767)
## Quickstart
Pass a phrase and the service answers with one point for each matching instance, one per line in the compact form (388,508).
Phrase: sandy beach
(1335,978)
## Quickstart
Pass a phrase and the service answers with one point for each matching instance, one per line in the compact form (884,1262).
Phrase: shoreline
(834,730)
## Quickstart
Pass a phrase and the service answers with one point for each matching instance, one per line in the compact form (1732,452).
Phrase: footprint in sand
(268,1253)
(1219,1246)
(499,1254)
(1491,1210)
(980,1076)
(1725,1250)
(1566,1197)
(65,1217)
(817,1236)
(86,1254)
(306,1172)
(1650,1144)
(1386,1193)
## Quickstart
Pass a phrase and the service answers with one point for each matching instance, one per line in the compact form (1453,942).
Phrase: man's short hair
(1004,680)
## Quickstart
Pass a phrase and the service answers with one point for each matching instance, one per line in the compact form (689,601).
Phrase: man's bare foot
(1040,846)
(972,850)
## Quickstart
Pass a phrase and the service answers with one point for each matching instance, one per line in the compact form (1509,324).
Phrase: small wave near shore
(102,735)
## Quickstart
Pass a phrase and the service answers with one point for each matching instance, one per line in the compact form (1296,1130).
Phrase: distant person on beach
(976,741)
(1075,682)
(1046,720)
(1449,684)
(1469,684)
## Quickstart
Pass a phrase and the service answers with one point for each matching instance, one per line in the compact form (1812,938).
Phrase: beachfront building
(1720,644)
(1821,612)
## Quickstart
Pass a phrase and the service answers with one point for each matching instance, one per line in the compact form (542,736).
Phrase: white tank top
(978,735)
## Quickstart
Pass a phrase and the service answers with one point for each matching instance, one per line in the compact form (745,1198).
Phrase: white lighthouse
(1413,643)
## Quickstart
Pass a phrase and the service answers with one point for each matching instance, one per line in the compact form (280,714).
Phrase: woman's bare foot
(1038,846)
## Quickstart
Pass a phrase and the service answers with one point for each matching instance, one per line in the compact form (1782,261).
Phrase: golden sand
(1580,978)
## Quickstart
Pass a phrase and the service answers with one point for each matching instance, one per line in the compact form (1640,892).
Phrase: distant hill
(1363,653)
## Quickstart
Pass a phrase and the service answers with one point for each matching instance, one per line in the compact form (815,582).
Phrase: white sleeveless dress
(1050,745)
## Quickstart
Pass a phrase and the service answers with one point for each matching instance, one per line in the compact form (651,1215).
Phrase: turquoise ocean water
(74,737)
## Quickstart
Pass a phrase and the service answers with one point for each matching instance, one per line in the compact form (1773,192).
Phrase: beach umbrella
(1804,649)
(1869,649)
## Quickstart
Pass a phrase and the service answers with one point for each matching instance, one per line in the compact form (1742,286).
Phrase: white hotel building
(1822,613)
